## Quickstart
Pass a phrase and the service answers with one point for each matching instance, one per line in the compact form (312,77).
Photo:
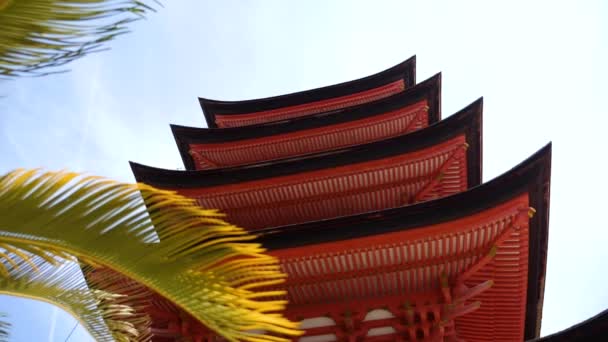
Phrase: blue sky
(539,65)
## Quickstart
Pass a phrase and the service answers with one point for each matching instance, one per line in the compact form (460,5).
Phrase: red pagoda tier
(411,110)
(441,160)
(468,267)
(322,100)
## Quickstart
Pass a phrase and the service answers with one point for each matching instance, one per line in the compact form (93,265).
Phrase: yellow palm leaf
(102,313)
(45,34)
(156,238)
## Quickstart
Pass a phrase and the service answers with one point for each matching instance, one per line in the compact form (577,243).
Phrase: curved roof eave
(429,89)
(405,70)
(467,121)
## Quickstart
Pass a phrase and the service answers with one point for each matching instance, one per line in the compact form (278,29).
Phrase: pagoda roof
(329,98)
(592,329)
(412,109)
(489,241)
(437,161)
(468,121)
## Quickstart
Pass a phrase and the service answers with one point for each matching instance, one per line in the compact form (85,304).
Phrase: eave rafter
(273,148)
(436,178)
(413,317)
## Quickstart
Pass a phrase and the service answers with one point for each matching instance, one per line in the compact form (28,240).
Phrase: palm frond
(189,255)
(5,327)
(99,311)
(38,36)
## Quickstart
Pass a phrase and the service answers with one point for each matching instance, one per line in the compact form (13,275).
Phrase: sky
(540,66)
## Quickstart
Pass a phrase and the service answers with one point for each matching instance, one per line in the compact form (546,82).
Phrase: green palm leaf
(205,266)
(37,36)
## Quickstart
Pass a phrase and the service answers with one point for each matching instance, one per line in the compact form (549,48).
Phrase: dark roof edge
(430,89)
(467,121)
(405,70)
(474,137)
(183,146)
(592,329)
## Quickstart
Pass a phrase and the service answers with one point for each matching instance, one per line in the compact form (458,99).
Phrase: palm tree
(38,36)
(147,240)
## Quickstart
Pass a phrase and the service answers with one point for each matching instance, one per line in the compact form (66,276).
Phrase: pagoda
(375,208)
